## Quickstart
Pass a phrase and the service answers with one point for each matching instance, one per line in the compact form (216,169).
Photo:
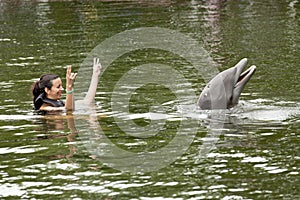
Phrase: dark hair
(38,89)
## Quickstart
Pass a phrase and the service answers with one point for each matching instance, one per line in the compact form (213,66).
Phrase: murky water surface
(251,152)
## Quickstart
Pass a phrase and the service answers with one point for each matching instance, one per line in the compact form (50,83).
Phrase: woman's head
(50,86)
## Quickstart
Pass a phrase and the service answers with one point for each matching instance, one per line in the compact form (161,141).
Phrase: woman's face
(56,90)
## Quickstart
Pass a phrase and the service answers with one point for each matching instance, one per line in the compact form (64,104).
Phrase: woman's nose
(61,88)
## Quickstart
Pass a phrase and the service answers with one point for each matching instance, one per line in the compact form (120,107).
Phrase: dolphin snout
(246,75)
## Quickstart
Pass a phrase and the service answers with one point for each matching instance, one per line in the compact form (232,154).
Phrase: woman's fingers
(73,75)
(68,70)
(97,66)
(70,75)
(96,61)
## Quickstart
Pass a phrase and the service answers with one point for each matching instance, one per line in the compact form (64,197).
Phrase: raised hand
(70,77)
(96,67)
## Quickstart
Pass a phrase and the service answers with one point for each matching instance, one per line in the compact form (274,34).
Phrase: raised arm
(90,96)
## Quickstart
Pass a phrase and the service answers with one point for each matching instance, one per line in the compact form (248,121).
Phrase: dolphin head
(224,90)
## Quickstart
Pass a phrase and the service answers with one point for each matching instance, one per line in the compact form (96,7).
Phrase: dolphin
(224,90)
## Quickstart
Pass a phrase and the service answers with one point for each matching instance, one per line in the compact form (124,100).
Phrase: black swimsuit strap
(54,103)
(42,99)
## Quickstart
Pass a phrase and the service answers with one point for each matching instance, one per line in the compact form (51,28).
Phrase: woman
(47,91)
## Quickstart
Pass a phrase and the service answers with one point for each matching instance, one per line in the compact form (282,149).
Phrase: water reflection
(52,127)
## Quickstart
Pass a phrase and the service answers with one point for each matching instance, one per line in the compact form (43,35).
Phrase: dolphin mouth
(245,76)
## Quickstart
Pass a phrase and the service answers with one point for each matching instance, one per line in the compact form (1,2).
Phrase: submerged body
(224,90)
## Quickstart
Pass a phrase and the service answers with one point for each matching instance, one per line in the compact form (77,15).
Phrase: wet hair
(38,88)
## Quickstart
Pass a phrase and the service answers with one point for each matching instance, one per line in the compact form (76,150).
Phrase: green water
(256,155)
